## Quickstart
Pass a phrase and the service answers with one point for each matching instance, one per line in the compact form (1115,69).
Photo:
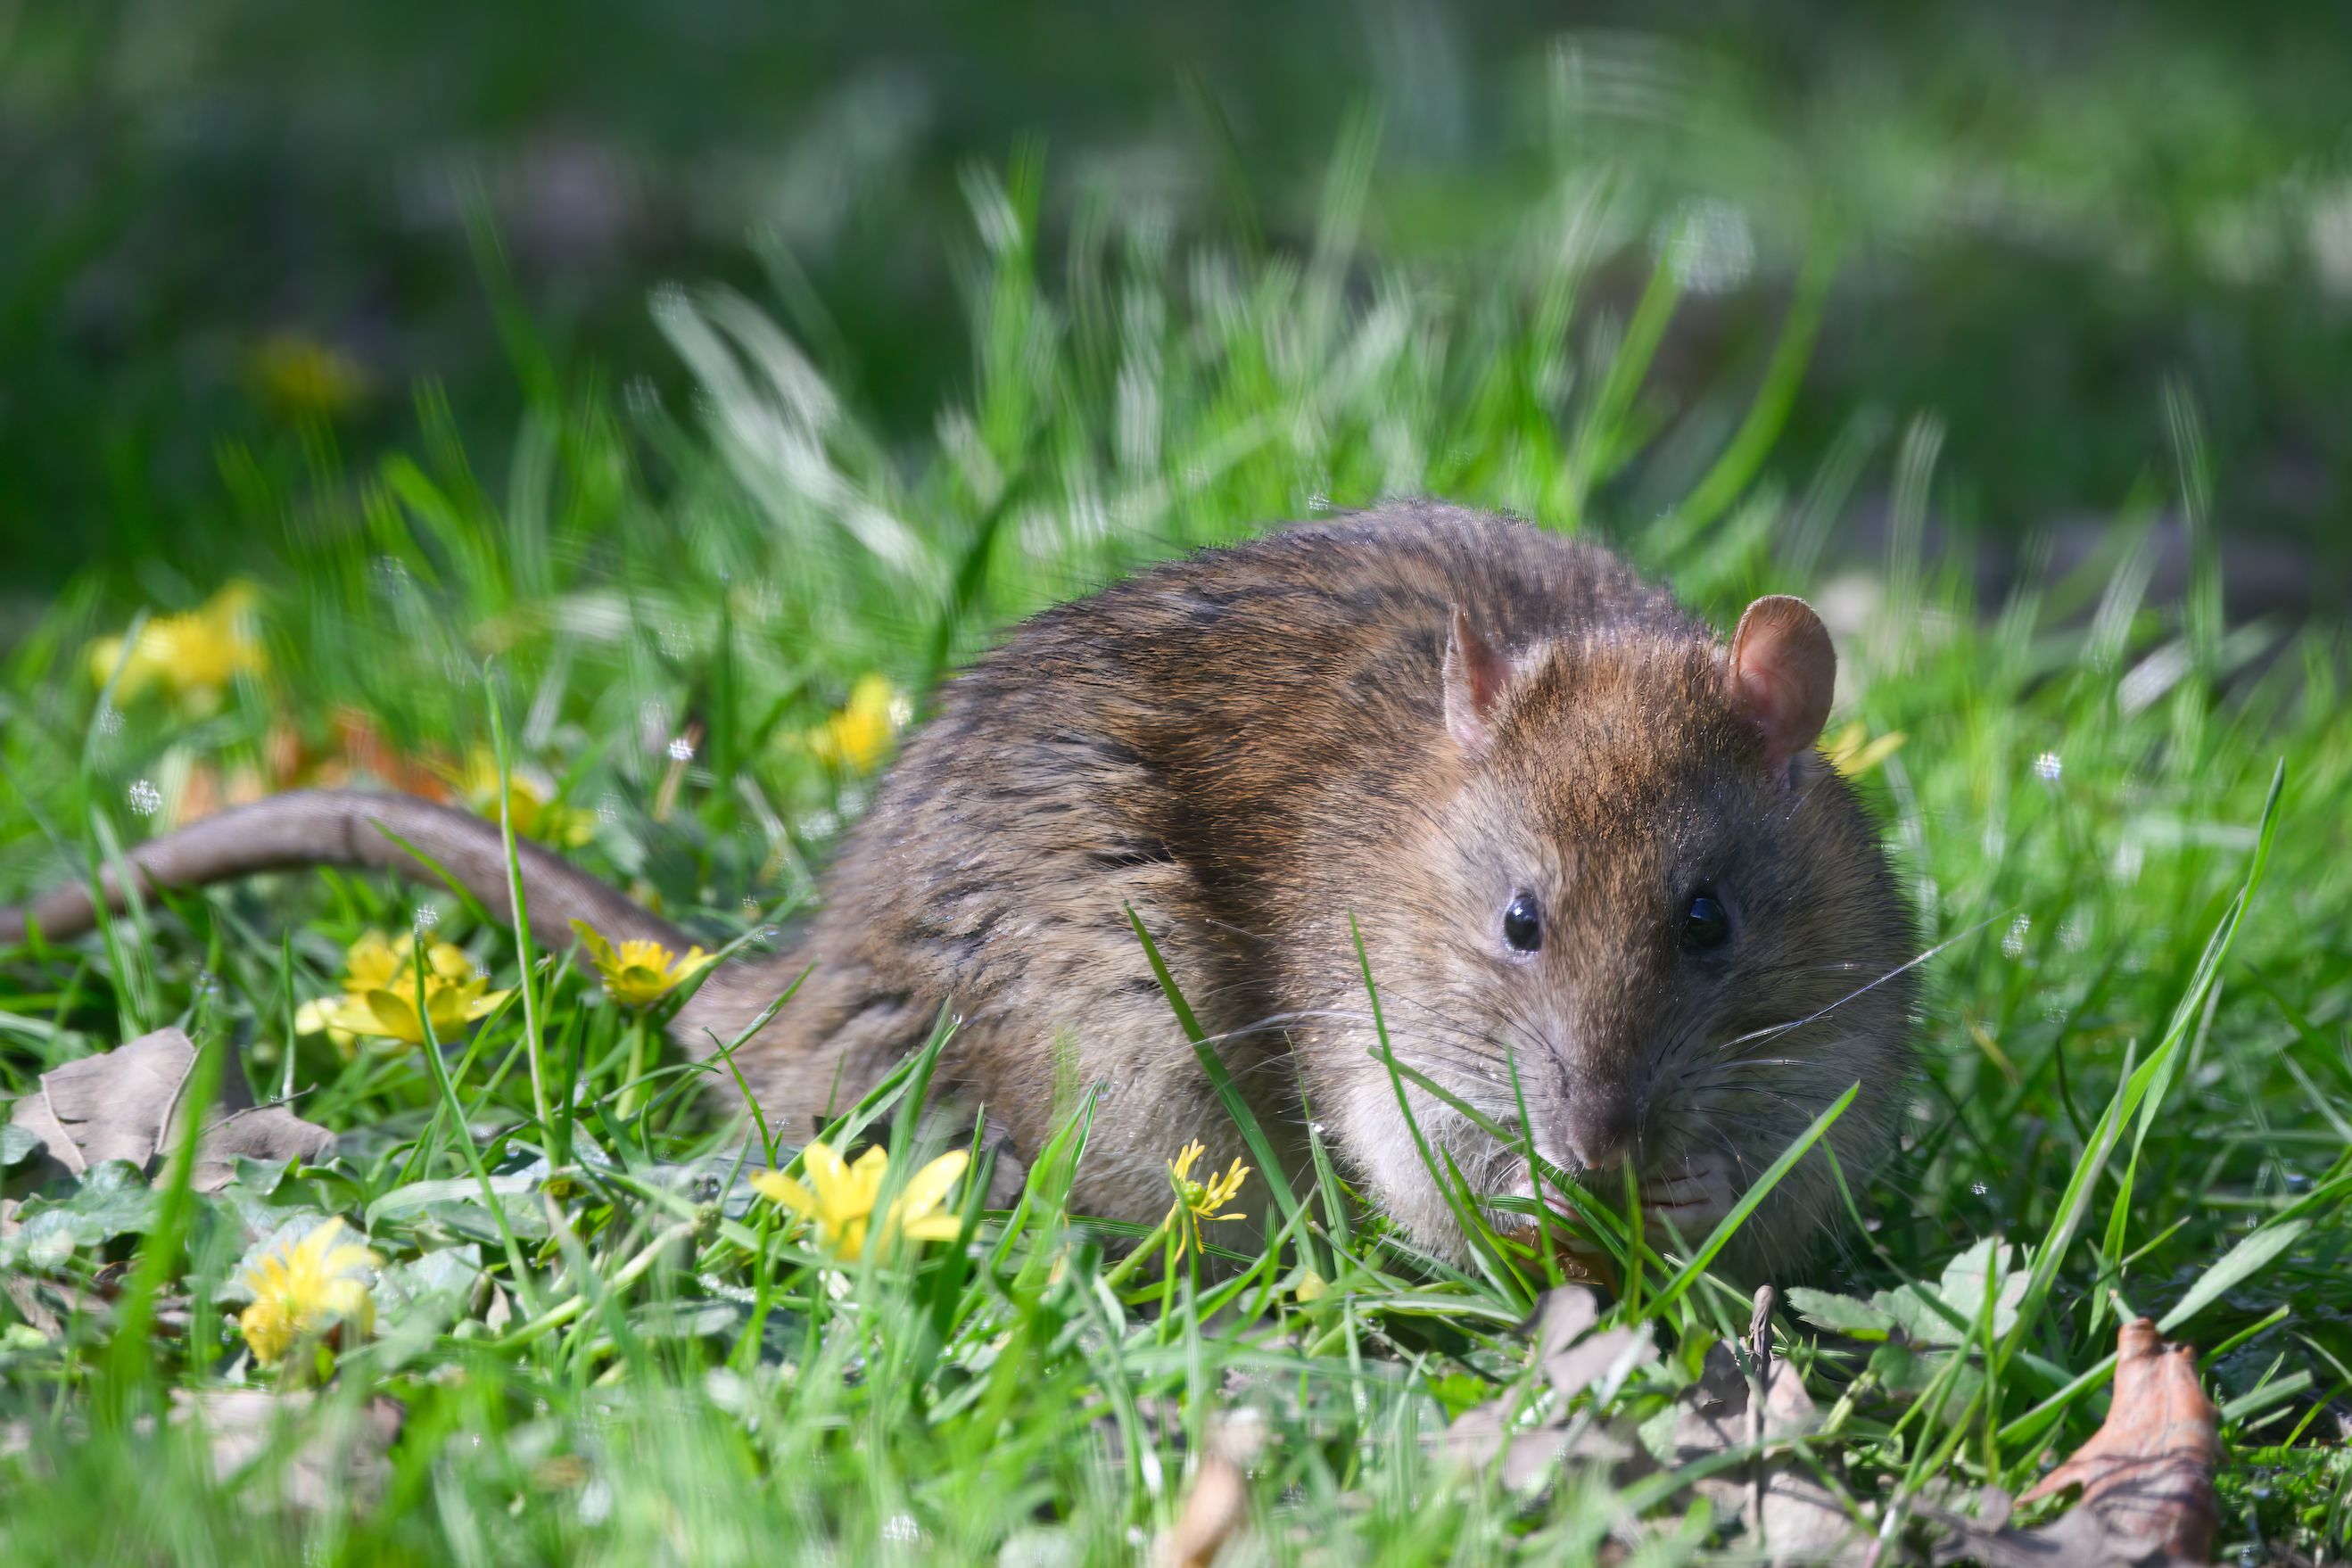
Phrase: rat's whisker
(1899,969)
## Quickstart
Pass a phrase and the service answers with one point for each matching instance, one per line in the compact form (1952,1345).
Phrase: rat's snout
(1599,1129)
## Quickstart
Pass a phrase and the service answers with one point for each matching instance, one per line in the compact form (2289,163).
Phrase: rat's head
(1652,897)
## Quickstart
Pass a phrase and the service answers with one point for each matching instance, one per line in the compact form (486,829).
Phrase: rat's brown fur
(1251,745)
(1247,747)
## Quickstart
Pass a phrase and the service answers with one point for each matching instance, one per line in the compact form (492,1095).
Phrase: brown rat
(1582,838)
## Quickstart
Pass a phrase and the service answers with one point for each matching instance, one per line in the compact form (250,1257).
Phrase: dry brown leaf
(128,1104)
(367,753)
(1572,1358)
(333,1452)
(1796,1519)
(2147,1477)
(1779,1502)
(1563,1315)
(257,1133)
(1789,1513)
(2148,1470)
(501,1311)
(1534,1454)
(339,1457)
(1218,1504)
(1605,1357)
(24,1296)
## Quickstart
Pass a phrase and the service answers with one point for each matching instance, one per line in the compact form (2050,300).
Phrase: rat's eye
(1523,924)
(1707,924)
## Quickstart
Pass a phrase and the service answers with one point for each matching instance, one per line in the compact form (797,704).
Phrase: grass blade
(1269,1163)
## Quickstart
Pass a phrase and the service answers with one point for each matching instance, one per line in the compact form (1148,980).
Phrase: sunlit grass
(609,1346)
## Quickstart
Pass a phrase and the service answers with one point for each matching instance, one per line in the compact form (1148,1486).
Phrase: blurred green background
(239,232)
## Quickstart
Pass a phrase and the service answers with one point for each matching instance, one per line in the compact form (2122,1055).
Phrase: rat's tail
(346,827)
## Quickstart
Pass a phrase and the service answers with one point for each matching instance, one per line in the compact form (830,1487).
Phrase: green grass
(2137,1068)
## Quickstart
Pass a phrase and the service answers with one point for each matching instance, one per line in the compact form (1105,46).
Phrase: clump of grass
(607,1345)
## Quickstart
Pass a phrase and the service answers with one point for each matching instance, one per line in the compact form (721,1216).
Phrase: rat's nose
(1601,1131)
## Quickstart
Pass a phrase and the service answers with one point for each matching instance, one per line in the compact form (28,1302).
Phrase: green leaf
(2240,1263)
(1911,1375)
(1269,1164)
(113,1199)
(403,1202)
(1841,1314)
(1961,1291)
(16,1143)
(440,1280)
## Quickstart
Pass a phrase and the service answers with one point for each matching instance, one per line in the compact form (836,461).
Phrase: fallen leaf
(23,1295)
(1531,1456)
(127,1104)
(1961,1290)
(1563,1316)
(1796,1519)
(1604,1361)
(257,1133)
(113,1106)
(499,1313)
(1218,1504)
(1574,1358)
(338,1449)
(368,754)
(2147,1477)
(2147,1472)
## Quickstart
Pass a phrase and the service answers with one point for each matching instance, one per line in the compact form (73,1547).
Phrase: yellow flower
(1197,1201)
(854,739)
(296,375)
(530,801)
(1853,753)
(640,973)
(379,995)
(842,1203)
(305,1287)
(194,657)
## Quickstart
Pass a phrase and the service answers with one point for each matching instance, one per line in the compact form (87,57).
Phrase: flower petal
(394,1015)
(780,1188)
(933,1227)
(485,1004)
(450,964)
(599,949)
(827,1174)
(865,1183)
(928,1186)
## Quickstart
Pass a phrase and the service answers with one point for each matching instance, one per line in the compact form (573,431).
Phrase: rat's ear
(1476,675)
(1782,672)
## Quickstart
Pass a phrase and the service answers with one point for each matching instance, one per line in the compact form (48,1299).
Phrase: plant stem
(521,916)
(628,1274)
(632,1090)
(1127,1266)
